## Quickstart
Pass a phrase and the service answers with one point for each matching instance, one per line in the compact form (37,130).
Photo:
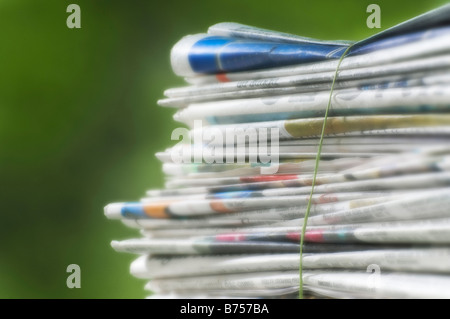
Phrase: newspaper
(262,216)
(284,238)
(379,83)
(425,70)
(415,50)
(340,175)
(416,260)
(408,166)
(346,102)
(294,187)
(312,127)
(360,284)
(233,29)
(231,204)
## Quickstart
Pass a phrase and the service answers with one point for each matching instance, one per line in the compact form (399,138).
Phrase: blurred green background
(79,124)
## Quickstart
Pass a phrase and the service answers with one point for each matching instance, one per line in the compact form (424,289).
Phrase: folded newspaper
(230,219)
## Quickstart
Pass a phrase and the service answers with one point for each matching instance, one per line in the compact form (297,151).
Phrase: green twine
(316,168)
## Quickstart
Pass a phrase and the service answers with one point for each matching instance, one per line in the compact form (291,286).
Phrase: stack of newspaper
(229,221)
